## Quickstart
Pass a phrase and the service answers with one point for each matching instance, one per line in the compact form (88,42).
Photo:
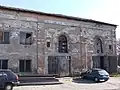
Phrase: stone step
(37,79)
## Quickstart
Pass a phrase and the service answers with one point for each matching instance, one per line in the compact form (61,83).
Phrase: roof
(55,15)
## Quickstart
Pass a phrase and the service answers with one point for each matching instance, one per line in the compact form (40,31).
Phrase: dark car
(8,79)
(96,75)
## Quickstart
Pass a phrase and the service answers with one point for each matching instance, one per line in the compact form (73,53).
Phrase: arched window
(99,46)
(62,48)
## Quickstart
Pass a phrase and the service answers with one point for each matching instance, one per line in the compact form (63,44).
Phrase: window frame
(25,65)
(1,63)
(99,46)
(2,41)
(25,42)
(62,44)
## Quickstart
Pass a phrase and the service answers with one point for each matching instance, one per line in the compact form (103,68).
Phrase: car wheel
(8,87)
(96,80)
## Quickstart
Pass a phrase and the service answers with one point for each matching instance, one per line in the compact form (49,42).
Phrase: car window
(94,72)
(103,72)
(9,73)
(89,71)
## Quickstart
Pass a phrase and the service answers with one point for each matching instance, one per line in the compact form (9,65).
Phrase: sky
(100,10)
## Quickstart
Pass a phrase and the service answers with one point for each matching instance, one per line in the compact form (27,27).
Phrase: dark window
(3,64)
(63,44)
(4,37)
(21,65)
(48,44)
(1,36)
(99,45)
(110,46)
(26,38)
(0,64)
(101,48)
(25,65)
(98,51)
(114,34)
(28,66)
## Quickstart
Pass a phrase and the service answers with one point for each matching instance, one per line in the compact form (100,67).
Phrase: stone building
(36,42)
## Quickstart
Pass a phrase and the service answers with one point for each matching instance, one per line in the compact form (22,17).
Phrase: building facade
(37,42)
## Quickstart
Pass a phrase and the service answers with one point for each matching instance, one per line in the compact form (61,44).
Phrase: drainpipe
(80,48)
(86,56)
(37,45)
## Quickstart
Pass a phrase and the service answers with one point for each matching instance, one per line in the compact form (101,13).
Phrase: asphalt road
(112,84)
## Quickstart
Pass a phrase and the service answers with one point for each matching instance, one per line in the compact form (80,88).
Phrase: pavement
(39,83)
(77,84)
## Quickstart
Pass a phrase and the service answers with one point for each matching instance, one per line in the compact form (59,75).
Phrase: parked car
(118,69)
(96,75)
(8,79)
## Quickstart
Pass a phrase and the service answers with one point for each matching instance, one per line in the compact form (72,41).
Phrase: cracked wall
(81,40)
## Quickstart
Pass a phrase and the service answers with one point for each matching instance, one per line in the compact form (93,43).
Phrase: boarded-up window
(4,37)
(25,65)
(26,38)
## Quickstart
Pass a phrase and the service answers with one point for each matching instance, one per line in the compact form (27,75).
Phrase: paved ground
(112,84)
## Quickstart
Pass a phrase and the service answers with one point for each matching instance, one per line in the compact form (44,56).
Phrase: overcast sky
(100,10)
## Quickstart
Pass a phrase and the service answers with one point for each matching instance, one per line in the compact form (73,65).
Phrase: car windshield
(103,72)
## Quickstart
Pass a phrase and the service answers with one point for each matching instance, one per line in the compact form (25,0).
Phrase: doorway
(102,62)
(59,65)
(53,65)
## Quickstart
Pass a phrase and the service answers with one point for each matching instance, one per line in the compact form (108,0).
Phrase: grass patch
(115,75)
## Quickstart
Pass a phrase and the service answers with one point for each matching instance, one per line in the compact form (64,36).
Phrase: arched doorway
(99,46)
(60,64)
(98,60)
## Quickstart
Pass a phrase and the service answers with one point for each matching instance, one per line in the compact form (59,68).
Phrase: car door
(92,74)
(88,74)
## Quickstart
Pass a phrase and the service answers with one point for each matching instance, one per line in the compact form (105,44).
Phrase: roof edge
(55,15)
